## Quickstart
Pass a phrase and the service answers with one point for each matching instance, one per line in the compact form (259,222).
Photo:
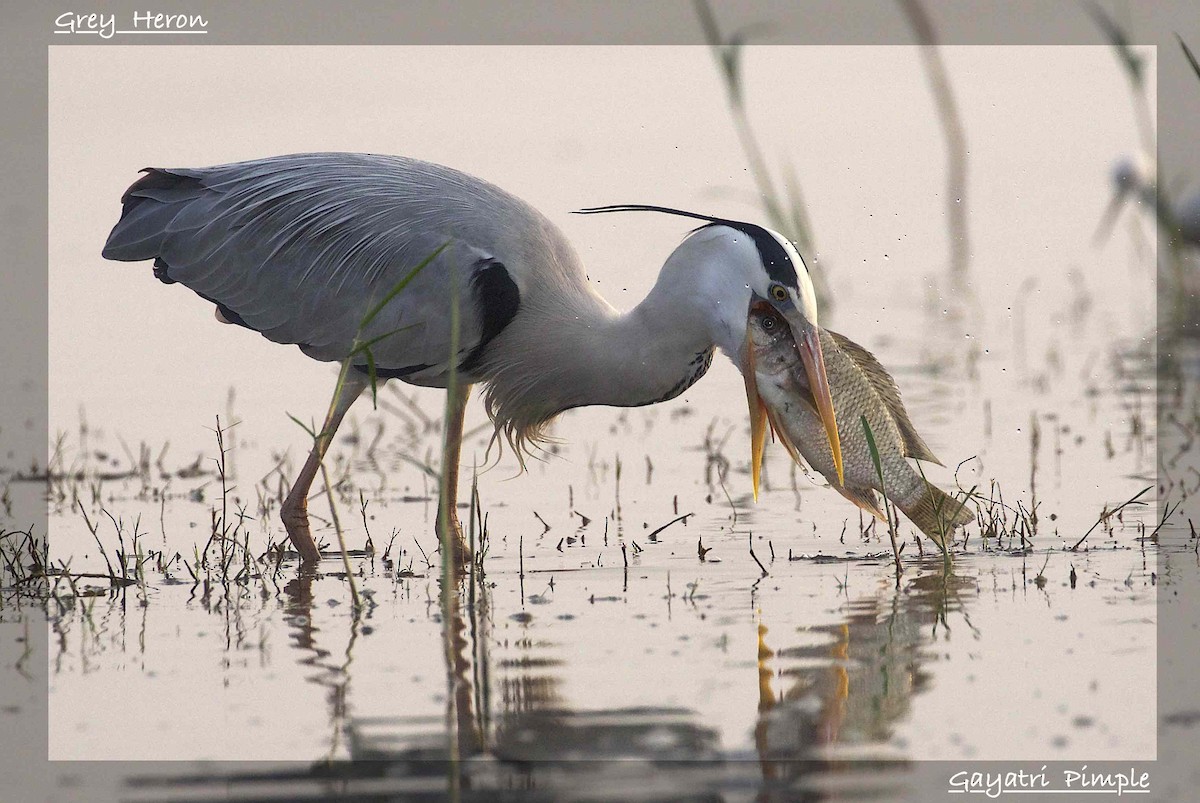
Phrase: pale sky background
(565,128)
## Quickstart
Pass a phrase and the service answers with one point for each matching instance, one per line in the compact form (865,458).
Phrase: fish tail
(936,513)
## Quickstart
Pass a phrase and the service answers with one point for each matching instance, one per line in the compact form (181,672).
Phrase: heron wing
(300,247)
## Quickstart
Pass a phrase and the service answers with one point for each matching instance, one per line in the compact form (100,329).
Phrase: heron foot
(460,553)
(295,521)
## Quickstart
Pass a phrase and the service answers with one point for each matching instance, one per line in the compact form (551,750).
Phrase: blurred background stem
(785,211)
(956,142)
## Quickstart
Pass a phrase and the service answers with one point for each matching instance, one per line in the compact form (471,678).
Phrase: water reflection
(836,690)
(824,693)
(463,703)
(844,688)
(459,735)
(334,676)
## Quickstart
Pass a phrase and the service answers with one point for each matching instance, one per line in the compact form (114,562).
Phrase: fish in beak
(808,343)
(876,455)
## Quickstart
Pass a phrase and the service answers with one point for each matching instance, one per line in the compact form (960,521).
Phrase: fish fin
(936,513)
(864,498)
(889,394)
(780,434)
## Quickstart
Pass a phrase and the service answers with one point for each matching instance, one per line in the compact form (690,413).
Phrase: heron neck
(650,354)
(578,352)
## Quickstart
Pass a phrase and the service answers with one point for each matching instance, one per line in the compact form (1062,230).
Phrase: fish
(860,387)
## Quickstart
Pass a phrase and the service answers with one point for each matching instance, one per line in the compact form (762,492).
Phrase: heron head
(747,264)
(1133,179)
(780,280)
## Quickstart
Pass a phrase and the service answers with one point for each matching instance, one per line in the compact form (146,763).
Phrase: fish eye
(768,323)
(778,292)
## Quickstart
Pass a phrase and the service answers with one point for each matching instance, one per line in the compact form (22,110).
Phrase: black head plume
(774,256)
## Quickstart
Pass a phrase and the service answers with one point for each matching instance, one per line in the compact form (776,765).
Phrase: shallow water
(592,634)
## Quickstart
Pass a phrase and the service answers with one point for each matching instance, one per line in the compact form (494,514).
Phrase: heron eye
(778,293)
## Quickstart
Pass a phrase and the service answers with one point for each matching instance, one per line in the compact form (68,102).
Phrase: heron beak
(758,418)
(808,343)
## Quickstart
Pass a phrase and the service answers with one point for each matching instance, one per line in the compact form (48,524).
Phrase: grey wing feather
(300,247)
(885,386)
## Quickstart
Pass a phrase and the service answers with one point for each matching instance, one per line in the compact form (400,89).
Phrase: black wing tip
(118,250)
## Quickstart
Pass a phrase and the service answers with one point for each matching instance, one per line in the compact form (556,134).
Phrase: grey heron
(1136,179)
(298,247)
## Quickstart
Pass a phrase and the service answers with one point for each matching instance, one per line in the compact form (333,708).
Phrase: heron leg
(448,499)
(294,512)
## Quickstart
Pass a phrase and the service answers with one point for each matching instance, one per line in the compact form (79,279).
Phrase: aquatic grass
(943,541)
(476,563)
(1107,514)
(887,505)
(341,537)
(225,561)
(653,535)
(750,541)
(714,455)
(364,346)
(25,566)
(1039,580)
(996,518)
(1191,59)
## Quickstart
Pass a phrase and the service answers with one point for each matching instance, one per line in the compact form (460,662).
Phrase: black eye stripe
(774,258)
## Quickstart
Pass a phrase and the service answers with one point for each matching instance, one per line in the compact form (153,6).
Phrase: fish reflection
(852,688)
